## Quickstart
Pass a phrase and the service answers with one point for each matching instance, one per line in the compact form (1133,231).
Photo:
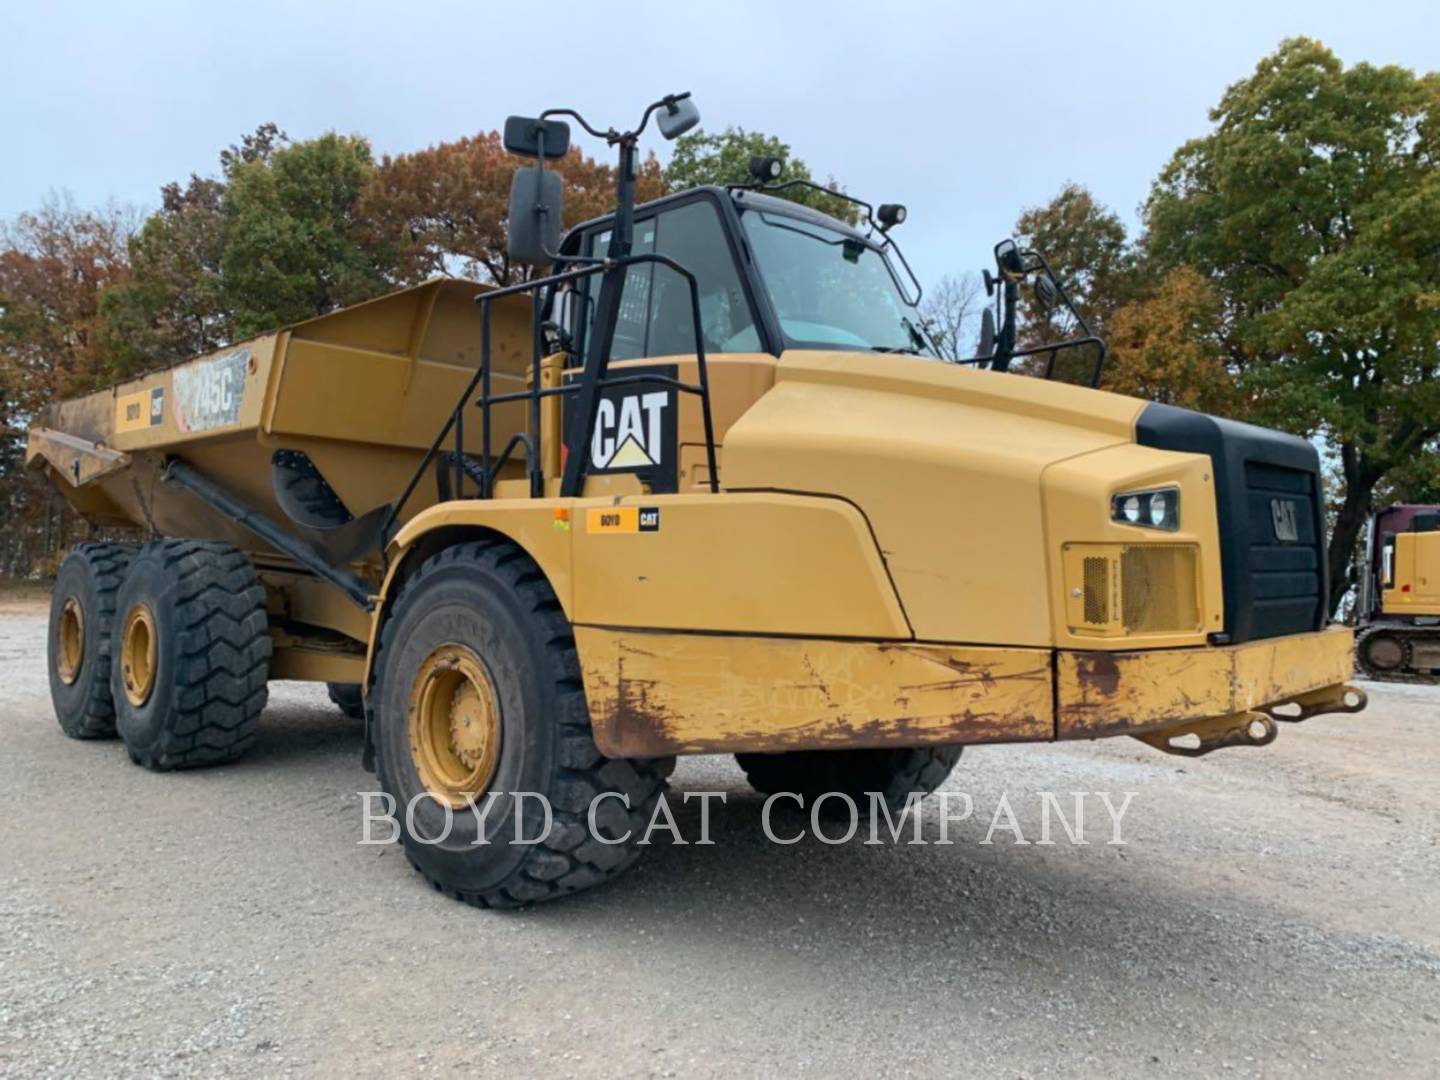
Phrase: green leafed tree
(724,158)
(293,246)
(171,308)
(1313,209)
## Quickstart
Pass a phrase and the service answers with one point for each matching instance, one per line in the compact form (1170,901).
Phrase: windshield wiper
(890,348)
(921,344)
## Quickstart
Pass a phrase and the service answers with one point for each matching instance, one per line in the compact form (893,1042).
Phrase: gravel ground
(1272,912)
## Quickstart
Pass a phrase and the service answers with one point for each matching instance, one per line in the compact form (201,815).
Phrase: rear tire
(479,630)
(895,774)
(346,697)
(192,653)
(82,615)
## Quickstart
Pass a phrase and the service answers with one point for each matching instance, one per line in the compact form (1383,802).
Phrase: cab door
(656,432)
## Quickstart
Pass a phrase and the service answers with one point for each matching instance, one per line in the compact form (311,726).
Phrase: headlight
(1148,509)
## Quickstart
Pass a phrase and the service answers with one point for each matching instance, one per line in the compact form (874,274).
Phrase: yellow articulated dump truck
(703,484)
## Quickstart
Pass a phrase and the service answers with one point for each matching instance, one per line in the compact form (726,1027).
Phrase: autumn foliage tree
(442,210)
(1086,244)
(1165,346)
(54,265)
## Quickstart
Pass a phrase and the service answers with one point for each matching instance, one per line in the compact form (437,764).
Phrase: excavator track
(1386,653)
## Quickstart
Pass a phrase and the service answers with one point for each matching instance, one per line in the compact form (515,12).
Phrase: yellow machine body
(902,552)
(1413,585)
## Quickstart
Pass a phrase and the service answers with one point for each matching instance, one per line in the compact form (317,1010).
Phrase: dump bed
(354,398)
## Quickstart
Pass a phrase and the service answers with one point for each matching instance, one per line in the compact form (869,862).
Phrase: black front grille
(1272,533)
(1286,555)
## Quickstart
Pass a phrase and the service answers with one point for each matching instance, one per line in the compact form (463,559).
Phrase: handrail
(1053,347)
(490,465)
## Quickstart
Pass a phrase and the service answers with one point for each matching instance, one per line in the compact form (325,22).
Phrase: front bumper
(656,693)
(1208,690)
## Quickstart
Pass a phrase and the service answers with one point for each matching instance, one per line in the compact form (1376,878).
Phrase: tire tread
(223,656)
(106,564)
(560,865)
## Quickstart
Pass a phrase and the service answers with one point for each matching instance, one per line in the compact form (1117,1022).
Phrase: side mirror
(678,116)
(1009,260)
(986,349)
(524,135)
(536,207)
(1045,293)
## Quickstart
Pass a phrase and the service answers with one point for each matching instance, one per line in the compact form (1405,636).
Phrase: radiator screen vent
(1097,590)
(1158,593)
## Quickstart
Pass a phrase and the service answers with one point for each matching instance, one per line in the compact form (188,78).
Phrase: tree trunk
(1348,522)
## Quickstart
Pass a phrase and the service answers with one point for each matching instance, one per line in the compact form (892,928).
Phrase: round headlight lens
(1159,509)
(1131,509)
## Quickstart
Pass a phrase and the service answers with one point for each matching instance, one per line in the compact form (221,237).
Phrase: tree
(442,210)
(293,243)
(950,312)
(173,305)
(1313,208)
(702,158)
(1164,346)
(1087,248)
(54,265)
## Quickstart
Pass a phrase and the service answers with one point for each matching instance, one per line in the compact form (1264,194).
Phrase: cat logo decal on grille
(1286,519)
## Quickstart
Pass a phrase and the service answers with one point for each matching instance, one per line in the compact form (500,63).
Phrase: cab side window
(655,313)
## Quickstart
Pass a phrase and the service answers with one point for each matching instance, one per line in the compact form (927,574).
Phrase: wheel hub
(454,722)
(70,650)
(138,654)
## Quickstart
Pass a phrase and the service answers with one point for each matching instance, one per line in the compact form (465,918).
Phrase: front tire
(82,617)
(895,774)
(192,653)
(478,697)
(346,697)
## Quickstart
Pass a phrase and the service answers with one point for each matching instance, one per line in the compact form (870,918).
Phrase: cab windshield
(830,289)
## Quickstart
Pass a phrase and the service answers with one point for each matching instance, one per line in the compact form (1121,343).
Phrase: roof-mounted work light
(766,169)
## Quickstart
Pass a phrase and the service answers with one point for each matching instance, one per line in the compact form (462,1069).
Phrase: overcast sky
(965,112)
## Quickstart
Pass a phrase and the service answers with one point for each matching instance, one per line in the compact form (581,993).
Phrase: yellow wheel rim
(138,654)
(70,641)
(454,725)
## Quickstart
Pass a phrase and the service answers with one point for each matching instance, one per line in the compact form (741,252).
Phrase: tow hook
(1200,737)
(1333,699)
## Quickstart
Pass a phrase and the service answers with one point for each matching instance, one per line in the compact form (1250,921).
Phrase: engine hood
(946,463)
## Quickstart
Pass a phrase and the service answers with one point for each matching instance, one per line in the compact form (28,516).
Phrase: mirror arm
(606,135)
(1005,341)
